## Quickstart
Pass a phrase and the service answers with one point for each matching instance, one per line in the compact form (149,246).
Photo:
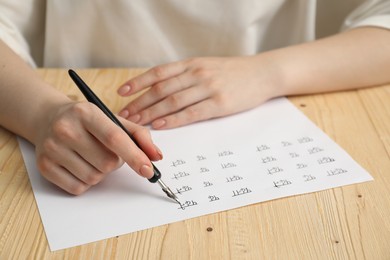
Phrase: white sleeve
(11,36)
(370,13)
(19,21)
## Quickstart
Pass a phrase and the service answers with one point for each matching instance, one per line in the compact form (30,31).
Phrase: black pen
(91,97)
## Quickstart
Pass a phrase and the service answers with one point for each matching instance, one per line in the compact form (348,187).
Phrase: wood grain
(351,222)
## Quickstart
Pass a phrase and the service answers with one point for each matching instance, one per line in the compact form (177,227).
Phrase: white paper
(270,152)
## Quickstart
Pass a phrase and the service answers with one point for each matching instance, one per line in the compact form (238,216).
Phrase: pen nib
(168,191)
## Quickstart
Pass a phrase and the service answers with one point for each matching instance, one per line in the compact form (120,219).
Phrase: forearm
(354,59)
(24,97)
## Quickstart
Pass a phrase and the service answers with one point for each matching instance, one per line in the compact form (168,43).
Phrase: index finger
(117,141)
(151,77)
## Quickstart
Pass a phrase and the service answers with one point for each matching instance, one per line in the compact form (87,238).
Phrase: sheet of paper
(270,152)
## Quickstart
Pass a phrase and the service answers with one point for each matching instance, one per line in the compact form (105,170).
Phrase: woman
(252,51)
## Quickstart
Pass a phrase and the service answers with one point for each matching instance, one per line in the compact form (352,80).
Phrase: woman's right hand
(80,145)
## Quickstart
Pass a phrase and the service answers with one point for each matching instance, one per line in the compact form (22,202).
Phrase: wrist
(290,70)
(45,110)
(271,74)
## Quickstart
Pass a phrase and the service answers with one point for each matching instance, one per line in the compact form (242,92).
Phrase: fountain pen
(91,97)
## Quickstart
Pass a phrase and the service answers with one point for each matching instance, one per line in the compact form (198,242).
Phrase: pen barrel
(156,176)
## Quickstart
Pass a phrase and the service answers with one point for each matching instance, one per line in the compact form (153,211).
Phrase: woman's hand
(197,89)
(80,145)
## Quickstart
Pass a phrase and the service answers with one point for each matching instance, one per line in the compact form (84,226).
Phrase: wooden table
(351,222)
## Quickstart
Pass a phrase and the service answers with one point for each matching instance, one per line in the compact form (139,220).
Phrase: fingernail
(135,118)
(146,171)
(158,123)
(124,113)
(124,90)
(159,152)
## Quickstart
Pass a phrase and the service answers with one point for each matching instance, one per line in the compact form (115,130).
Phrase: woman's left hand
(197,89)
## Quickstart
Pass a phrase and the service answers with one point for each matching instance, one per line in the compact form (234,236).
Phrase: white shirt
(143,33)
